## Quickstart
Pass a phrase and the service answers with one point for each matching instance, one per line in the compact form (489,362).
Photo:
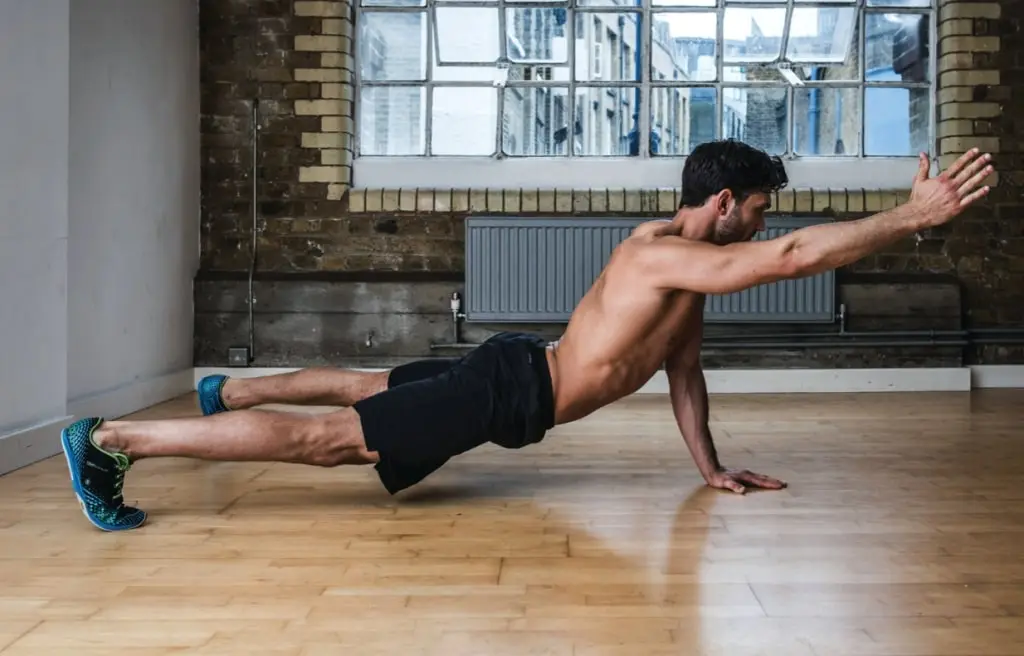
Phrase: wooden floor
(896,537)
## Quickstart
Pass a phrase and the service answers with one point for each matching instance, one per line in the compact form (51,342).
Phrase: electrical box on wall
(238,356)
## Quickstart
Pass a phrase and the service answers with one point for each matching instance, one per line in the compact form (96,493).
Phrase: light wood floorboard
(897,537)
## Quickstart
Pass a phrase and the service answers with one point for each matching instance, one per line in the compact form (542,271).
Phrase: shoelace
(108,484)
(118,499)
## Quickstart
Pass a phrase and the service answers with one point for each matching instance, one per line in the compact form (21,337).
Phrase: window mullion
(787,23)
(570,101)
(642,109)
(862,46)
(499,120)
(720,76)
(428,106)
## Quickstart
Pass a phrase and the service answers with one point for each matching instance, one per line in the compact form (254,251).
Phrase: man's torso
(621,333)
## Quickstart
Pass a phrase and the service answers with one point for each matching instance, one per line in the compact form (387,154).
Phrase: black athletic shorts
(435,409)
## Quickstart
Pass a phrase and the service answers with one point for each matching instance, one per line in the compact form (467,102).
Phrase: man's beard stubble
(731,229)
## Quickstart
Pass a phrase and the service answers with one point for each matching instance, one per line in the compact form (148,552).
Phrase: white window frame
(643,171)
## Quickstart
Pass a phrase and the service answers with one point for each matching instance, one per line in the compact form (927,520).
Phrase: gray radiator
(533,270)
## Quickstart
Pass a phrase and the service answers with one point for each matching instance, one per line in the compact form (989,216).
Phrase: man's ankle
(231,394)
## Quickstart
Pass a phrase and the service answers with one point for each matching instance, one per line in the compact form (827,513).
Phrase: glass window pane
(683,3)
(393,3)
(606,3)
(683,46)
(464,121)
(896,121)
(681,118)
(752,73)
(607,46)
(535,121)
(608,121)
(899,3)
(821,35)
(753,35)
(756,116)
(826,120)
(897,47)
(393,46)
(845,70)
(391,120)
(536,34)
(466,34)
(452,73)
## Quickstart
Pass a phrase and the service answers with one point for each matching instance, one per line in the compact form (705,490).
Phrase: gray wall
(133,192)
(99,211)
(33,211)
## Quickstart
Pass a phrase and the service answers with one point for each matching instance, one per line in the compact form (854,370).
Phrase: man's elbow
(797,261)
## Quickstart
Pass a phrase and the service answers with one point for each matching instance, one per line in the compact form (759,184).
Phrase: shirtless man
(643,312)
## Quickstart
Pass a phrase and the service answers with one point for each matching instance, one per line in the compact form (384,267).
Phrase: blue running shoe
(97,477)
(210,400)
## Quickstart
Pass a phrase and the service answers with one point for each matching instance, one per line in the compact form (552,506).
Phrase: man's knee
(336,438)
(372,384)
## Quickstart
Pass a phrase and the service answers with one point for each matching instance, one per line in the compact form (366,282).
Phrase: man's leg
(415,427)
(100,453)
(312,386)
(324,439)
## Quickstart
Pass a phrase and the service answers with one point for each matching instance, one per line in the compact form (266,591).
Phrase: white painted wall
(99,212)
(133,192)
(33,212)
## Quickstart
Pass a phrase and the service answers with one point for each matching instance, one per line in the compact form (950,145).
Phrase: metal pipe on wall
(880,343)
(876,333)
(255,222)
(832,343)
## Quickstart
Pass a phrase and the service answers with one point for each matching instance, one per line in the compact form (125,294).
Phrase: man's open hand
(738,480)
(943,197)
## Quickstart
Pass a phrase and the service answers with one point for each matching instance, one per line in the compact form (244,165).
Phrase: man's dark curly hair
(733,165)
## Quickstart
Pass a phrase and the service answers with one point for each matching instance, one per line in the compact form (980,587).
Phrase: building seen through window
(613,78)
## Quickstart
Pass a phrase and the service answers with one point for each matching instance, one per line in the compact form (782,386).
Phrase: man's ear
(723,200)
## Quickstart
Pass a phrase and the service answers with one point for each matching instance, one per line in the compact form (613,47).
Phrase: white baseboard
(790,381)
(997,376)
(133,396)
(245,372)
(32,445)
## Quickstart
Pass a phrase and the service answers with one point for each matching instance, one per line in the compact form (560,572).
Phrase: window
(841,89)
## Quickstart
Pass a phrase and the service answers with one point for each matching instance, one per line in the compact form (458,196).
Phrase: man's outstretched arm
(706,268)
(689,395)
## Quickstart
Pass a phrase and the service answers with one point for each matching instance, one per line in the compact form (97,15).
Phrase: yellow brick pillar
(969,79)
(335,106)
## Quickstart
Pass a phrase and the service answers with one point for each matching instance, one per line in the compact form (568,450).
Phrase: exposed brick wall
(296,57)
(289,56)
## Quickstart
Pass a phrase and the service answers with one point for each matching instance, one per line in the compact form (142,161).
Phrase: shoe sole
(76,485)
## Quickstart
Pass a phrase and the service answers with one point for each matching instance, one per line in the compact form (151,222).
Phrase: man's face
(742,221)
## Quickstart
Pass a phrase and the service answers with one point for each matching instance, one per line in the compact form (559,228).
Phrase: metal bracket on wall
(243,356)
(457,316)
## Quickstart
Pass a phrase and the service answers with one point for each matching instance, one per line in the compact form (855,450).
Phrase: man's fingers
(731,484)
(922,169)
(735,486)
(972,184)
(763,481)
(962,161)
(973,169)
(975,196)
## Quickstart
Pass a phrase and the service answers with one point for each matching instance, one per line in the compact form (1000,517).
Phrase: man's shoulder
(653,227)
